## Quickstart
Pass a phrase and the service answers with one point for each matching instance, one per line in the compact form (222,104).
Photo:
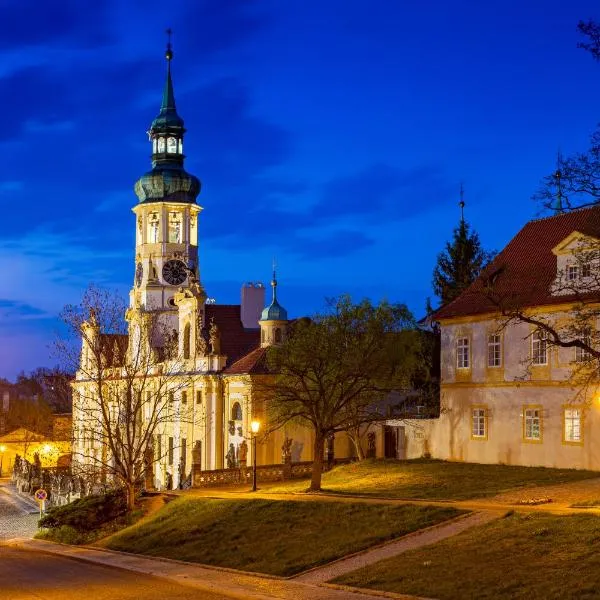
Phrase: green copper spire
(168,100)
(274,312)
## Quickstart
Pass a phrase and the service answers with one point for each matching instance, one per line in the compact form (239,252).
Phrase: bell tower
(166,240)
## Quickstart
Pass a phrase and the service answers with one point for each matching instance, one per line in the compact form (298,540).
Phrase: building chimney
(253,301)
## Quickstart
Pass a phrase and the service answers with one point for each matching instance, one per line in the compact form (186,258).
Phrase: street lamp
(2,451)
(254,427)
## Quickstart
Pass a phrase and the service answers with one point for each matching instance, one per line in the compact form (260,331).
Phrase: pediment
(574,242)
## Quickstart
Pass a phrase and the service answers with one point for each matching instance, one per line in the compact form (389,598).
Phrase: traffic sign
(41,495)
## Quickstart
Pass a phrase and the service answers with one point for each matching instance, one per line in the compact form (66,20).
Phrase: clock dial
(174,272)
(139,273)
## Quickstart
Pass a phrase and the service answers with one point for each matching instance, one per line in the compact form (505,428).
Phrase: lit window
(581,354)
(572,424)
(154,145)
(494,351)
(172,145)
(572,272)
(479,423)
(153,222)
(462,353)
(533,424)
(161,144)
(539,347)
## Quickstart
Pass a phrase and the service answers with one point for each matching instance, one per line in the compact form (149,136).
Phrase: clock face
(139,273)
(174,272)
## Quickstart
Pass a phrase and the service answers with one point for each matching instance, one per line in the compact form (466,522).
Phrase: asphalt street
(34,576)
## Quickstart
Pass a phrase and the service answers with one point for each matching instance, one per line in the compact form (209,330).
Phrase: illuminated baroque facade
(220,349)
(507,394)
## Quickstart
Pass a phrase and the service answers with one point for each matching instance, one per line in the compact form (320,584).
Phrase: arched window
(262,336)
(186,340)
(161,144)
(277,335)
(236,412)
(172,145)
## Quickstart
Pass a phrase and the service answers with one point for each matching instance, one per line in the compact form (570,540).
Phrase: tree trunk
(355,436)
(130,491)
(317,468)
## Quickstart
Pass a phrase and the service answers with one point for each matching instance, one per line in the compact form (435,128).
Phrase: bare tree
(332,372)
(130,386)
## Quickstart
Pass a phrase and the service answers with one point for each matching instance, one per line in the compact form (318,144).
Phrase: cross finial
(169,52)
(462,202)
(557,178)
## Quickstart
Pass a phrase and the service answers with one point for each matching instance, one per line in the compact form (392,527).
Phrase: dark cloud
(11,309)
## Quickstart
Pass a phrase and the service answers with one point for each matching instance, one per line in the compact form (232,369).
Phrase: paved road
(33,576)
(17,517)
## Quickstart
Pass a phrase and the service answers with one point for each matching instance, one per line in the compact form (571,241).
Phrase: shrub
(86,514)
(63,534)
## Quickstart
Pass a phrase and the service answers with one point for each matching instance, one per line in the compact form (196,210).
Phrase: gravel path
(408,542)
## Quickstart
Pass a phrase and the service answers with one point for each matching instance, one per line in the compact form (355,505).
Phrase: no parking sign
(40,496)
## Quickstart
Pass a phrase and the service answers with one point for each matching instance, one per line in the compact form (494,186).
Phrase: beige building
(508,395)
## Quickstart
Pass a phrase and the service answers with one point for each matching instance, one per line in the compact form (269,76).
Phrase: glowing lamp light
(2,448)
(46,448)
(255,427)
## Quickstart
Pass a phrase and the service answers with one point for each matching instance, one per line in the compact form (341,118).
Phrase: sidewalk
(235,584)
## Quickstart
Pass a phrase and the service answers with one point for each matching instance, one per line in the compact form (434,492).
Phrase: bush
(63,534)
(86,514)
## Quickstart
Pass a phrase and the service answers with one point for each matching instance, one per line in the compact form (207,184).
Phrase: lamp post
(2,451)
(254,427)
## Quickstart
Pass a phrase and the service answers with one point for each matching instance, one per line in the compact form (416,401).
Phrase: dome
(168,184)
(274,312)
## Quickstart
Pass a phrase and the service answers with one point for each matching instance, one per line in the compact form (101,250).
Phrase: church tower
(166,240)
(273,321)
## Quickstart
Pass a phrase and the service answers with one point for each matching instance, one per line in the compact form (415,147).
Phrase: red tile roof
(254,363)
(235,340)
(524,271)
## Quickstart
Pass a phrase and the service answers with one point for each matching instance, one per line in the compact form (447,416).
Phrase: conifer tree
(459,264)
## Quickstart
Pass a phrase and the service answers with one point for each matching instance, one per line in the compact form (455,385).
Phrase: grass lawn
(434,479)
(533,556)
(276,537)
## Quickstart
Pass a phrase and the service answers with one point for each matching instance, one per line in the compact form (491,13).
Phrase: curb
(383,594)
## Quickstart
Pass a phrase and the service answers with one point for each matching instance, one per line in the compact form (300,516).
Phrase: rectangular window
(198,396)
(171,397)
(184,397)
(533,424)
(462,353)
(586,269)
(479,423)
(494,351)
(170,450)
(572,272)
(572,425)
(539,347)
(158,447)
(581,354)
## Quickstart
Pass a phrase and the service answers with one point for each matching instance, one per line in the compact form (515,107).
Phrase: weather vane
(462,202)
(169,53)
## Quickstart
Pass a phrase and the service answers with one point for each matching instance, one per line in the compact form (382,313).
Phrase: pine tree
(459,264)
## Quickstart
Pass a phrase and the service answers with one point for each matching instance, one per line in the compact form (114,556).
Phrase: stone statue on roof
(214,336)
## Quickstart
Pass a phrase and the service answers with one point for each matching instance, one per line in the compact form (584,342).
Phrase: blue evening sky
(331,134)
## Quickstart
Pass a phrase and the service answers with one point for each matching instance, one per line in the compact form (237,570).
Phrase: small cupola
(273,320)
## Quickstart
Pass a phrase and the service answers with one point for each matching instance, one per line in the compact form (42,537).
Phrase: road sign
(41,495)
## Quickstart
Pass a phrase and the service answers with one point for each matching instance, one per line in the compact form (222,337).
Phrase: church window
(161,144)
(236,412)
(180,146)
(184,397)
(539,347)
(186,340)
(277,335)
(462,353)
(198,396)
(174,228)
(172,145)
(154,146)
(171,397)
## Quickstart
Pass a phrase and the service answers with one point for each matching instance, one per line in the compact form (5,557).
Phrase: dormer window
(572,272)
(172,145)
